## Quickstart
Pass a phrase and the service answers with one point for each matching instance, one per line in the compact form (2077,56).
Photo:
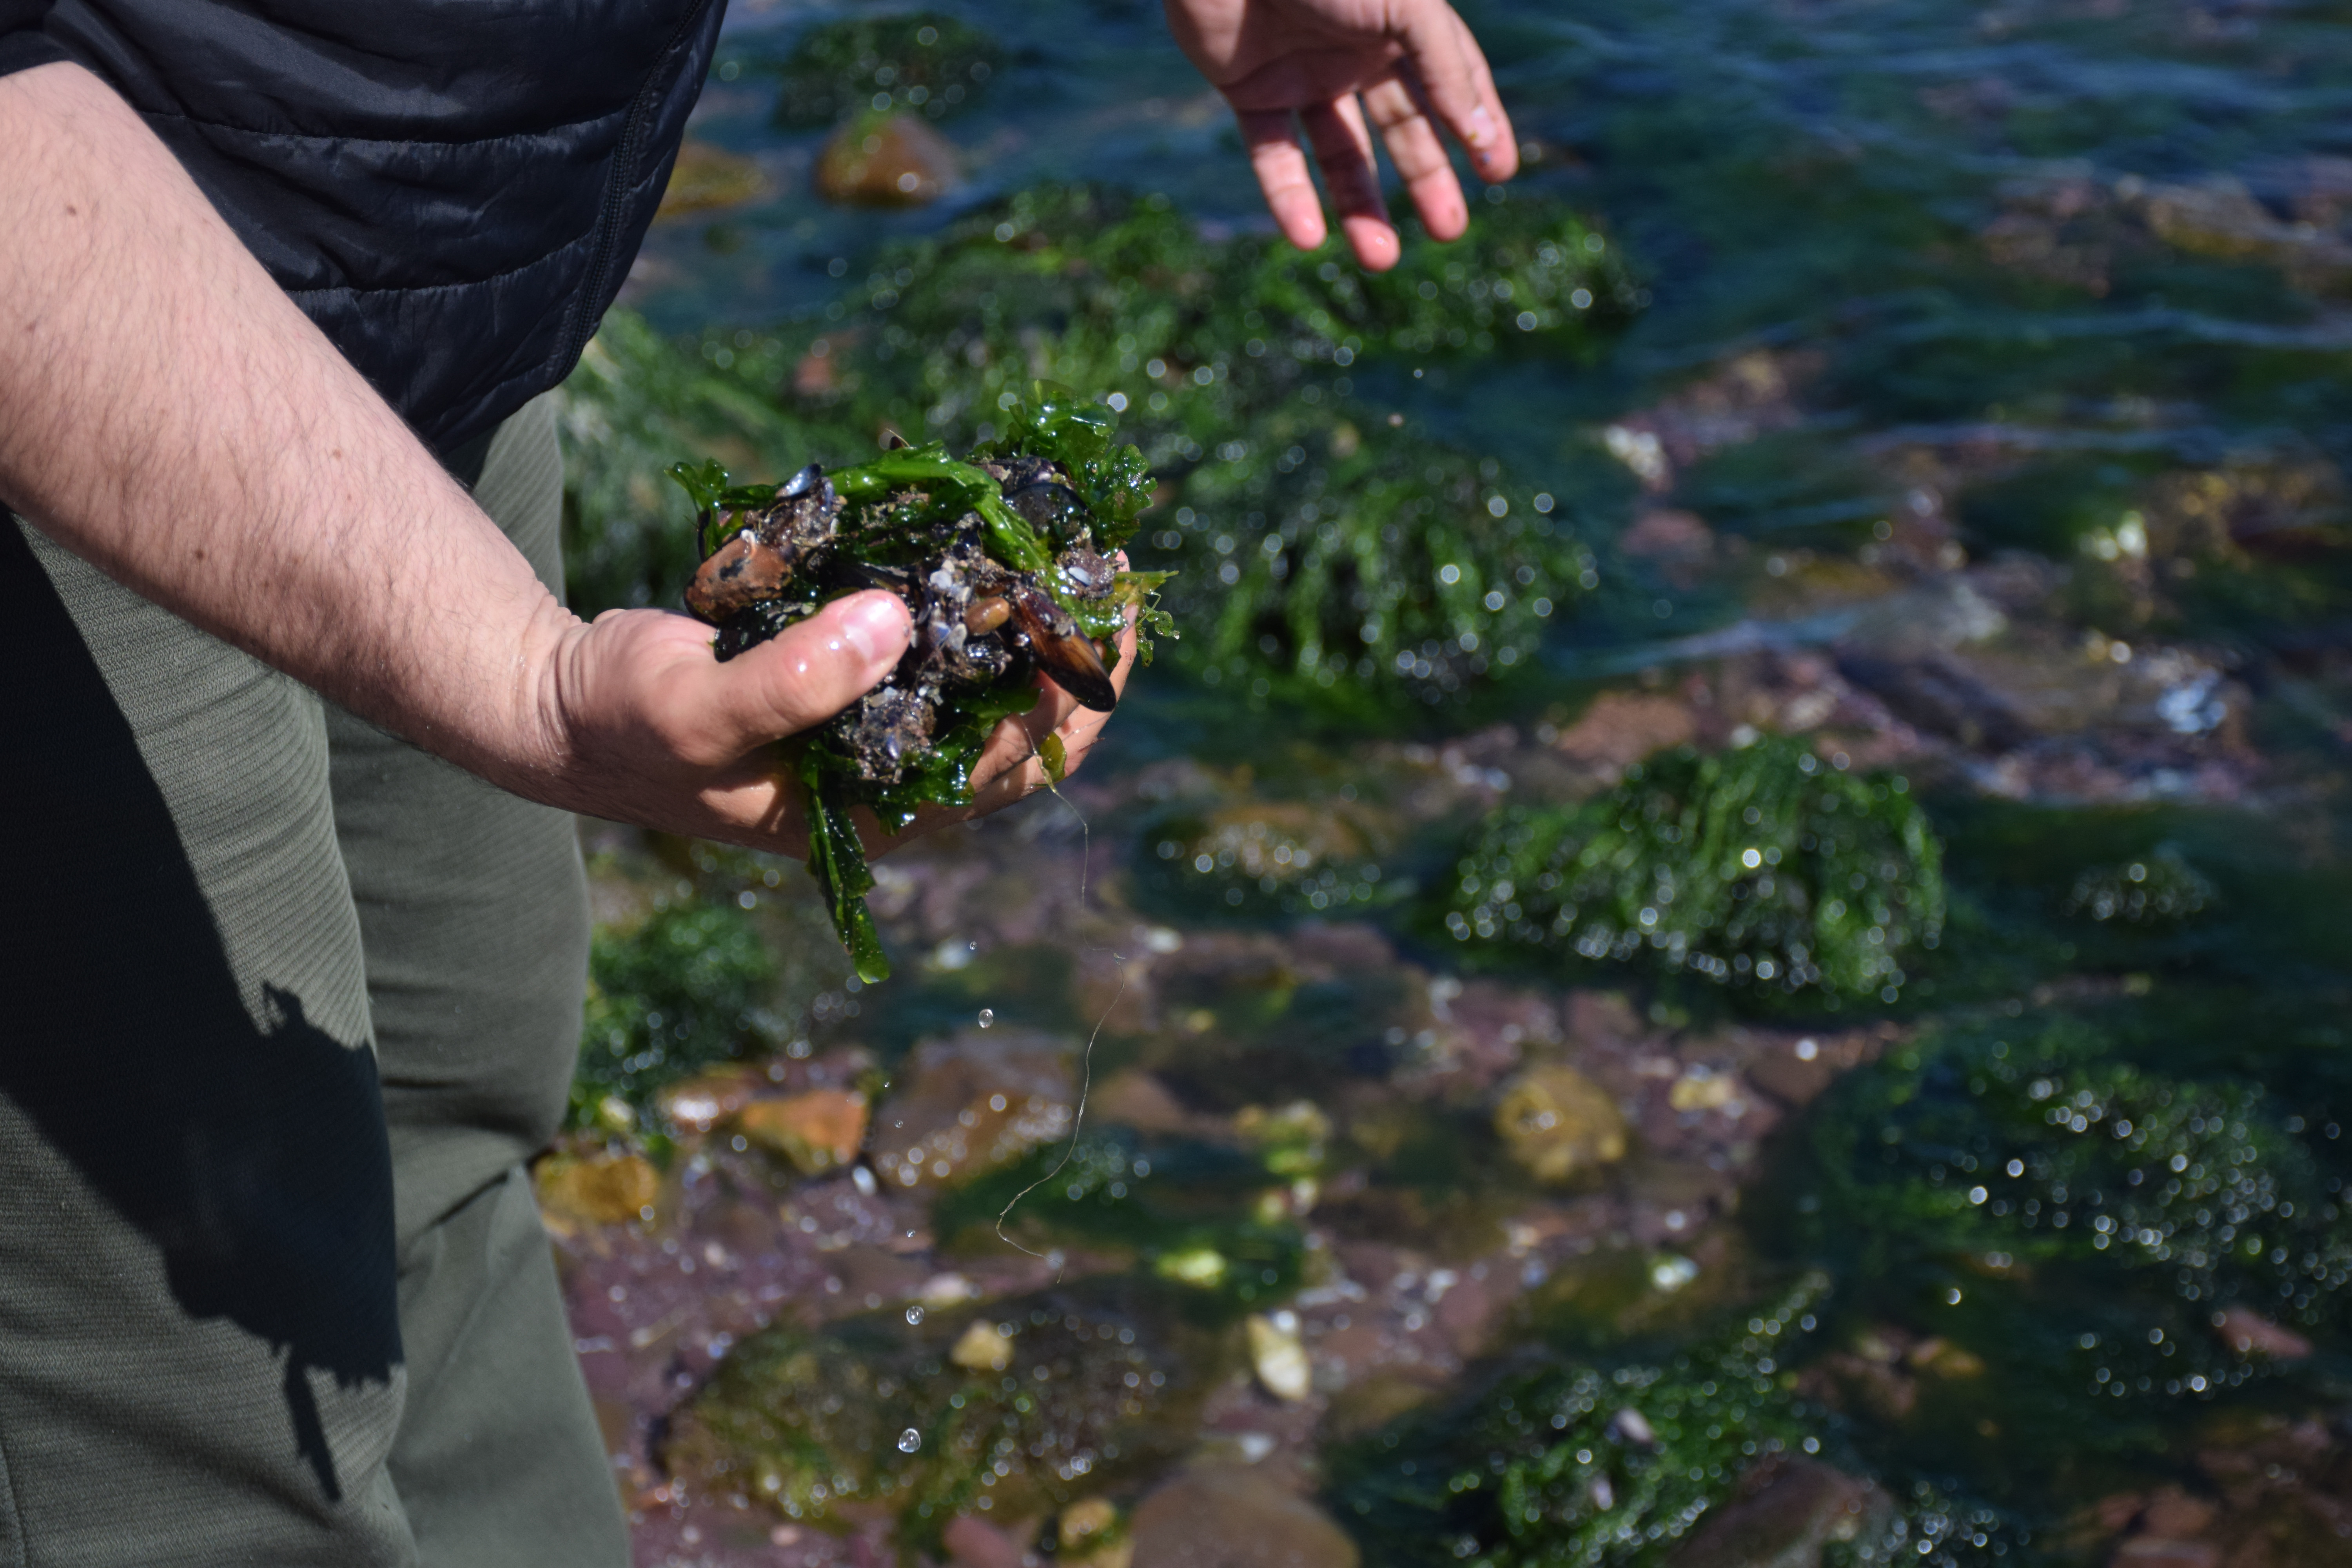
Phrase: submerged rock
(1558,1125)
(2105,1223)
(890,161)
(973,1103)
(1787,1510)
(708,178)
(1295,855)
(1225,1517)
(817,1132)
(1186,1213)
(873,1413)
(577,1190)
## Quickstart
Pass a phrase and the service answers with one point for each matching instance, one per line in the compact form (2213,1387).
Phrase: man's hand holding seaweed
(654,718)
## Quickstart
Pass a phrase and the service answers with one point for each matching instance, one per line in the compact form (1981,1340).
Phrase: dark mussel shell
(1054,510)
(1062,650)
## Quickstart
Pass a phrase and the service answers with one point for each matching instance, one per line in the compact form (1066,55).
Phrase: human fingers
(1453,72)
(1085,726)
(1503,160)
(1343,146)
(1418,156)
(803,676)
(1281,168)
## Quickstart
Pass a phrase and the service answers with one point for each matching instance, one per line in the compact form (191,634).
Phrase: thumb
(811,671)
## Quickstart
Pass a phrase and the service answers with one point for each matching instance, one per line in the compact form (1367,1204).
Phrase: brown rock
(1666,534)
(1621,727)
(700,1103)
(707,178)
(1785,1512)
(1792,1071)
(895,160)
(817,1132)
(2174,1514)
(582,1190)
(971,1103)
(1223,1517)
(1137,1100)
(1373,1402)
(973,1542)
(2248,1332)
(1558,1124)
(2159,1551)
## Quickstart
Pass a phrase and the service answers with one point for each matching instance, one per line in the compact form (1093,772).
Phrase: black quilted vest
(453,189)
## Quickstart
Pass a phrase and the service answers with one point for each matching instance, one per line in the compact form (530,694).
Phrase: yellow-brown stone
(818,1131)
(1558,1124)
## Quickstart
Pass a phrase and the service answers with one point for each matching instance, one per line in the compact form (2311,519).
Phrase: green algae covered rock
(2058,1154)
(1563,1462)
(1762,869)
(1010,1409)
(2155,890)
(689,986)
(925,62)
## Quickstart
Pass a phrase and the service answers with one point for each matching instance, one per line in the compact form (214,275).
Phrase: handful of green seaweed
(1004,561)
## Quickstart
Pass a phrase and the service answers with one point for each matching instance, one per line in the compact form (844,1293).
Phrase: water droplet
(987,1016)
(909,1441)
(914,1314)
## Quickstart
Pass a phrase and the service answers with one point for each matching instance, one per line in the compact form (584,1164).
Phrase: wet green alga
(1559,1462)
(691,985)
(1763,868)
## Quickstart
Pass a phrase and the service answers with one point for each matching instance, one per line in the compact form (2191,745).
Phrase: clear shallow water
(1987,421)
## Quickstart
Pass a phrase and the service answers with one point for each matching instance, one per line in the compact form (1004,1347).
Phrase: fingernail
(1482,126)
(876,625)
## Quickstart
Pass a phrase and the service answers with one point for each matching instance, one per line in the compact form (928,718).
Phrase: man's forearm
(168,414)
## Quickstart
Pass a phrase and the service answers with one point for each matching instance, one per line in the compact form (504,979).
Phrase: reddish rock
(893,161)
(973,1542)
(1621,727)
(1785,1512)
(2160,1552)
(1666,534)
(817,1132)
(2248,1332)
(1226,1517)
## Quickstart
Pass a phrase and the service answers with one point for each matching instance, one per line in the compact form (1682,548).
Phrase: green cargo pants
(284,1006)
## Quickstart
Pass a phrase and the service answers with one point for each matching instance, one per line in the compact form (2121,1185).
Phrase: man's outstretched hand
(1343,67)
